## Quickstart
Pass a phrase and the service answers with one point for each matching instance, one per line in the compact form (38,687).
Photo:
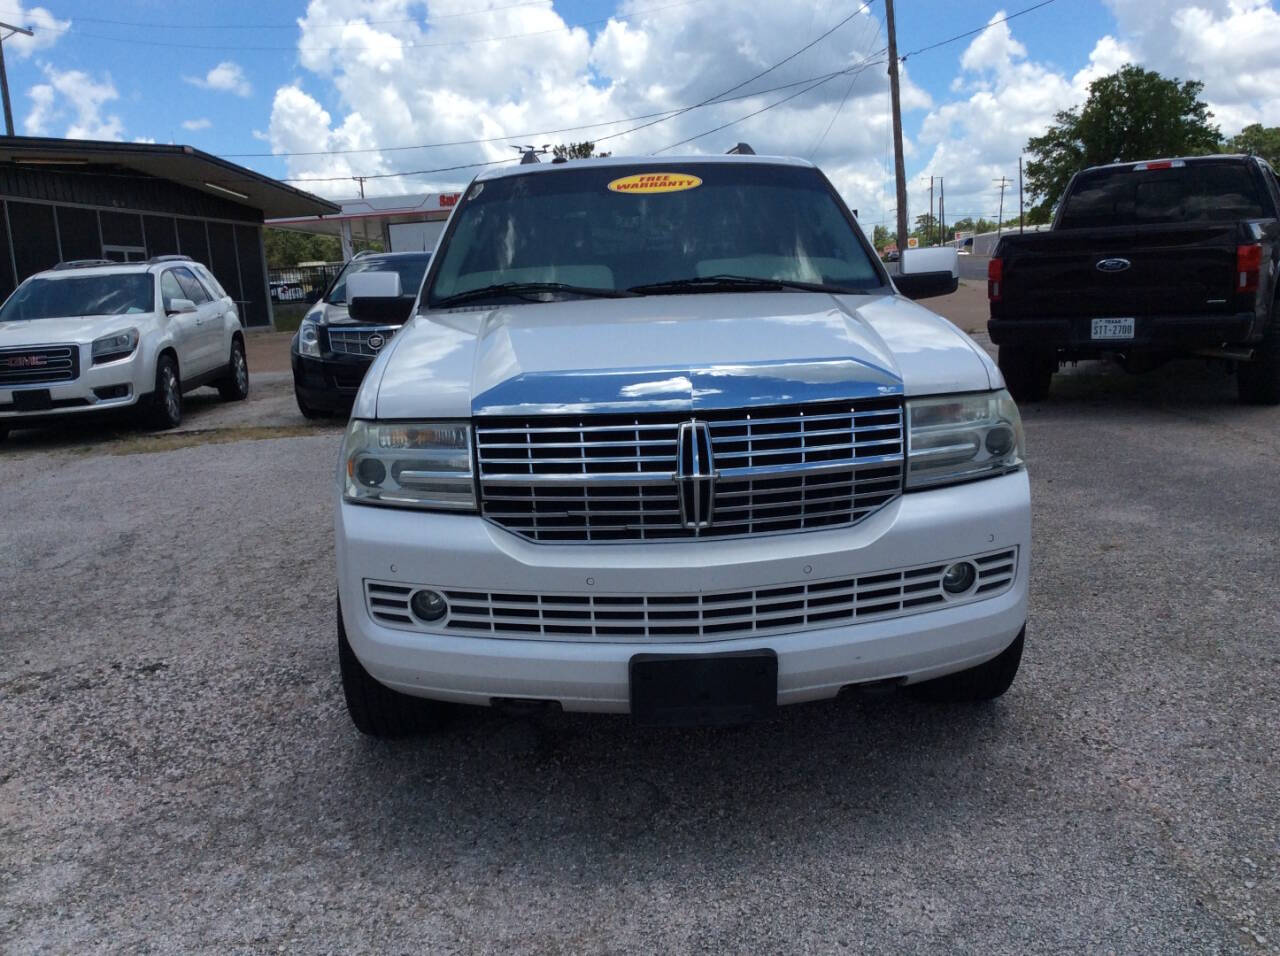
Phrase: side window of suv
(170,289)
(210,281)
(191,286)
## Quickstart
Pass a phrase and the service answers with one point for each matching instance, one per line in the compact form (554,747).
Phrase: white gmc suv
(95,336)
(663,437)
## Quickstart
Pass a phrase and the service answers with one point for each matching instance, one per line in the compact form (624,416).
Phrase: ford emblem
(1113,265)
(376,341)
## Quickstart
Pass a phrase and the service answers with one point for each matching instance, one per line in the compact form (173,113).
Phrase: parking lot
(179,772)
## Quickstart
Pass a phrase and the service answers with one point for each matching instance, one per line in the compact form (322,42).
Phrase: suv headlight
(961,437)
(309,338)
(409,465)
(118,345)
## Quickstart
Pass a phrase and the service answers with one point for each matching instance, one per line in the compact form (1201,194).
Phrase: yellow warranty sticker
(655,183)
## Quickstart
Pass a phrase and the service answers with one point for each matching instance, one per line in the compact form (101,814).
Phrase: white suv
(665,438)
(94,336)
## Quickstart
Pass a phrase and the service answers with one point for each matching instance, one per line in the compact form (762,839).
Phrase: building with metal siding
(83,199)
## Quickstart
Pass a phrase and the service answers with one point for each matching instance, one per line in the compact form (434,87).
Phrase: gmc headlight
(409,465)
(961,437)
(118,345)
(309,339)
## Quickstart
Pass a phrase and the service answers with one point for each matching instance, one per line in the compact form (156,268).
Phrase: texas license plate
(1112,328)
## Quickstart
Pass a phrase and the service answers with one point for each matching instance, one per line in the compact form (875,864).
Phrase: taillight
(995,275)
(1248,267)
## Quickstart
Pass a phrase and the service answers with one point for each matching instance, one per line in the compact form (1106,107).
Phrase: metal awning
(180,164)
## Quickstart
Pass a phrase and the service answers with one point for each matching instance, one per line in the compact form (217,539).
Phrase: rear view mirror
(377,297)
(180,305)
(925,273)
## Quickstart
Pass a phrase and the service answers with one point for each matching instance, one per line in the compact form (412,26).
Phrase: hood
(82,330)
(668,353)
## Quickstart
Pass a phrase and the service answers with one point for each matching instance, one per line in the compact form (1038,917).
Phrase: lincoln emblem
(695,475)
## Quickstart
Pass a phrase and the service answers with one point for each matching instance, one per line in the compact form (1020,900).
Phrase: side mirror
(180,305)
(376,297)
(925,273)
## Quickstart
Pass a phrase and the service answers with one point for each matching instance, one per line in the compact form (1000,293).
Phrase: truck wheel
(1027,372)
(984,682)
(1258,380)
(376,709)
(235,387)
(166,401)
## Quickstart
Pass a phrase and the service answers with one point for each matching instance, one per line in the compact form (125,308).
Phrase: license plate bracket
(32,400)
(680,690)
(1112,328)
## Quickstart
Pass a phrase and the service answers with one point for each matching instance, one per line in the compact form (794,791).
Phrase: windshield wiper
(530,291)
(733,283)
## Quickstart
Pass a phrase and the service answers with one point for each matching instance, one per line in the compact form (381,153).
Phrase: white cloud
(78,98)
(196,124)
(45,27)
(226,77)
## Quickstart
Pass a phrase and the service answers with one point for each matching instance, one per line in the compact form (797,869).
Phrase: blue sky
(247,78)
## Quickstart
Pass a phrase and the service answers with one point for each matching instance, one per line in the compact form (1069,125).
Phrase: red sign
(448,199)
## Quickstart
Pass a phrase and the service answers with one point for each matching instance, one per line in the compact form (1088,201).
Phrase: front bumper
(329,383)
(1151,333)
(97,389)
(465,552)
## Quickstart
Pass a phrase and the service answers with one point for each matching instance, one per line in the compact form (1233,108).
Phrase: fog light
(428,606)
(959,577)
(1000,441)
(371,472)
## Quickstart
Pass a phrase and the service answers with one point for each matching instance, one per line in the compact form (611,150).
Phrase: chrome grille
(707,616)
(355,341)
(46,364)
(613,478)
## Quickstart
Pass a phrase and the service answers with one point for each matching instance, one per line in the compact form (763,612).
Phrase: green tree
(1259,140)
(1131,114)
(962,225)
(880,237)
(287,247)
(926,229)
(585,150)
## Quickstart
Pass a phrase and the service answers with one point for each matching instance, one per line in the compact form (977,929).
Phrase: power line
(969,33)
(839,109)
(333,47)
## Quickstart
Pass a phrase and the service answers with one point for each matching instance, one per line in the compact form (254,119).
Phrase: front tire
(235,387)
(987,681)
(375,709)
(1258,381)
(166,401)
(1027,372)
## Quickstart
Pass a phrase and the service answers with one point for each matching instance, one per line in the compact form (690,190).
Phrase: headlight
(118,345)
(961,437)
(409,465)
(309,339)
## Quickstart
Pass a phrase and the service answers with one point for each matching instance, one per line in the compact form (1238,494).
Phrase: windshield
(1196,192)
(411,269)
(618,228)
(80,295)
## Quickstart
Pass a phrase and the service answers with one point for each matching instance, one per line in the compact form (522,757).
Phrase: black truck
(1146,262)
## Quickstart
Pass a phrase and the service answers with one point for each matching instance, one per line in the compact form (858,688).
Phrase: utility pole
(1021,227)
(899,168)
(360,180)
(1003,182)
(4,76)
(942,213)
(929,230)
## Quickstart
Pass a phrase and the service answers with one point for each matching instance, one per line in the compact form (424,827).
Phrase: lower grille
(48,364)
(357,341)
(707,616)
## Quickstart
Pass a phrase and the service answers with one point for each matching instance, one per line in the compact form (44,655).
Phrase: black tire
(235,387)
(307,411)
(376,709)
(987,681)
(1027,372)
(1258,380)
(166,402)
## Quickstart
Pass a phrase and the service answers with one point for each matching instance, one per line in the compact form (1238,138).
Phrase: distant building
(410,223)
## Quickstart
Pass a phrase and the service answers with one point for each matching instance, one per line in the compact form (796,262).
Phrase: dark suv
(336,343)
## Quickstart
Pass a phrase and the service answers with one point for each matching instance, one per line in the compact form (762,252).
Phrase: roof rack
(157,259)
(84,264)
(742,149)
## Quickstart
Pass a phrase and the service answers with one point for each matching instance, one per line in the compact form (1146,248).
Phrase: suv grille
(615,478)
(707,616)
(47,364)
(356,341)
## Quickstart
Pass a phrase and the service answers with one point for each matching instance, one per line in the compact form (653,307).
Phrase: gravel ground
(178,774)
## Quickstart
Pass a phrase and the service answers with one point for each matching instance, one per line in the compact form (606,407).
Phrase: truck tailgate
(1154,270)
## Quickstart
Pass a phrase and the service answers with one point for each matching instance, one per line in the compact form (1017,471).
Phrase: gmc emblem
(26,361)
